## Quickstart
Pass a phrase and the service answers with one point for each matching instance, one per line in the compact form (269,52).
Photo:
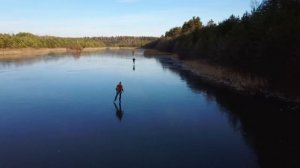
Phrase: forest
(28,40)
(264,42)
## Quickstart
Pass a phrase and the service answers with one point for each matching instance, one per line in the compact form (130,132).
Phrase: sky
(83,18)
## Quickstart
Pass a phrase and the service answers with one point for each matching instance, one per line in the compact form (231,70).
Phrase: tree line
(125,41)
(264,42)
(28,40)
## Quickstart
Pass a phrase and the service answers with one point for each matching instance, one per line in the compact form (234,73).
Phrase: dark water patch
(268,125)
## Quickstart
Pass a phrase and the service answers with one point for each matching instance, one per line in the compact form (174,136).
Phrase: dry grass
(33,52)
(227,76)
(150,52)
(27,52)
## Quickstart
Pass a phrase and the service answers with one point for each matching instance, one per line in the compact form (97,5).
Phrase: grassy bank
(227,76)
(28,40)
(28,52)
(33,52)
(221,76)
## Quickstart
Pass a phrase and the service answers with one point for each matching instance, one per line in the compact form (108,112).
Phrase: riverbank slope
(218,75)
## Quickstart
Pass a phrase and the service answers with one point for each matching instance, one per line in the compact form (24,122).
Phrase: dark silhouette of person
(119,91)
(133,68)
(119,111)
(133,59)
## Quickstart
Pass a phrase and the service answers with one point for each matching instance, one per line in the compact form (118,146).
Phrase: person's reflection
(76,55)
(119,111)
(133,68)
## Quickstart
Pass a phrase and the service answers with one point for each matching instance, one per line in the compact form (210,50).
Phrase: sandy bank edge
(33,52)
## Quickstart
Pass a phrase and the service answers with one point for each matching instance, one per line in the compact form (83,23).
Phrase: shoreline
(246,83)
(33,52)
(225,77)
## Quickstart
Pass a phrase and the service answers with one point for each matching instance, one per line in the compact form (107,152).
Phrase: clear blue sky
(75,18)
